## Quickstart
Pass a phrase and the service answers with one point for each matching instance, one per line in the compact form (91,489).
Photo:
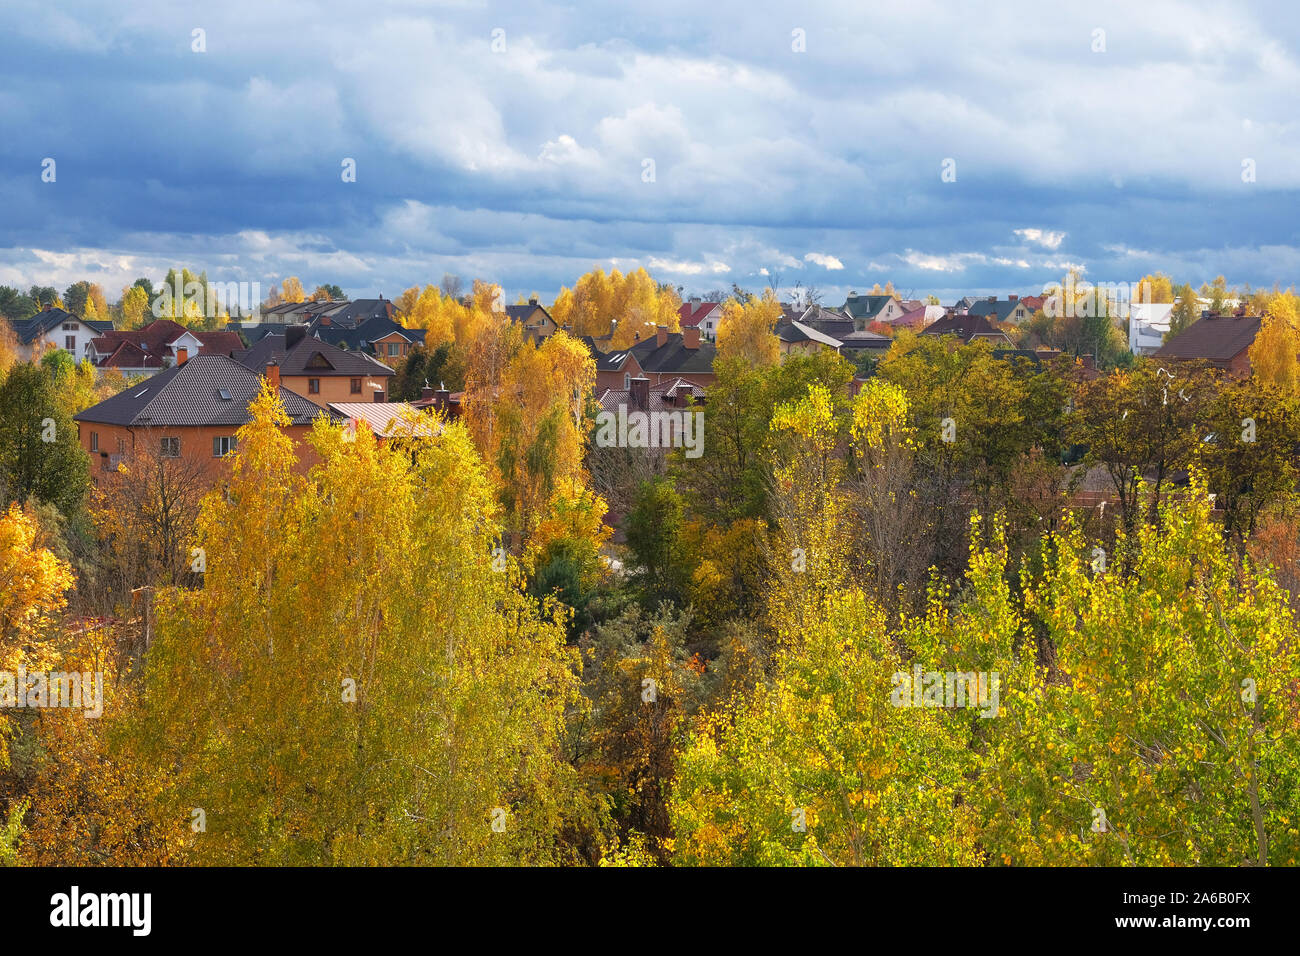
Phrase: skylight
(225,395)
(140,394)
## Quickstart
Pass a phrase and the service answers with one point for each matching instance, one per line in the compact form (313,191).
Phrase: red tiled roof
(154,341)
(692,317)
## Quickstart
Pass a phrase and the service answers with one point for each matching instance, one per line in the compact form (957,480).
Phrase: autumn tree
(1274,353)
(1163,735)
(818,766)
(135,307)
(291,290)
(1141,424)
(407,710)
(630,307)
(746,330)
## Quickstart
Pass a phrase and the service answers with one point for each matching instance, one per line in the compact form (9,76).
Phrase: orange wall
(334,388)
(196,444)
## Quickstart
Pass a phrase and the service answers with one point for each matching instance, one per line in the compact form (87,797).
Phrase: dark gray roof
(674,356)
(606,361)
(255,332)
(997,309)
(857,341)
(865,306)
(519,313)
(309,357)
(29,329)
(191,394)
(356,312)
(359,338)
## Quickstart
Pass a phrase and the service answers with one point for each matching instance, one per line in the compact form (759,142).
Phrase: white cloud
(1049,240)
(823,260)
(689,268)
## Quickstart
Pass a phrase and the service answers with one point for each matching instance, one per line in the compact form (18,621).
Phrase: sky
(950,148)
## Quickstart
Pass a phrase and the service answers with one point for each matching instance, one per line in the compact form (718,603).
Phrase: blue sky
(526,165)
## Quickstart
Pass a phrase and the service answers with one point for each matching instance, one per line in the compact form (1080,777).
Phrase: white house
(1147,325)
(54,328)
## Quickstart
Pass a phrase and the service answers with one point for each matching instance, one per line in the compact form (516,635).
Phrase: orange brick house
(318,371)
(191,410)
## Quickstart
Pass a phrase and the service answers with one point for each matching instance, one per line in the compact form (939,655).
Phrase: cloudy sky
(526,142)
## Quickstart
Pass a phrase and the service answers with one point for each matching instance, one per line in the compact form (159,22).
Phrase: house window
(313,386)
(171,448)
(69,326)
(121,446)
(392,349)
(70,343)
(223,446)
(627,381)
(356,386)
(94,441)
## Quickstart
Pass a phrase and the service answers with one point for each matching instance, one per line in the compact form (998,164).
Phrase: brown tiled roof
(1217,339)
(962,326)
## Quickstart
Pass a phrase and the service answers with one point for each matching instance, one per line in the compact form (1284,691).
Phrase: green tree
(40,455)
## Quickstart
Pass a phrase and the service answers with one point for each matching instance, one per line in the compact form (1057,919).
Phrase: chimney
(691,337)
(293,335)
(442,398)
(695,300)
(379,395)
(661,336)
(1013,298)
(426,392)
(182,355)
(273,374)
(324,320)
(641,392)
(532,300)
(47,308)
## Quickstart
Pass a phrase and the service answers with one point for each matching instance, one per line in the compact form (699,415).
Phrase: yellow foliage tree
(1273,355)
(746,330)
(630,306)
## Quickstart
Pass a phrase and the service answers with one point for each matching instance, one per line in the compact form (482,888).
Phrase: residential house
(795,338)
(919,317)
(668,395)
(378,336)
(666,356)
(857,342)
(1010,309)
(671,355)
(1148,324)
(969,328)
(53,328)
(705,316)
(537,322)
(865,309)
(191,410)
(614,370)
(319,371)
(158,345)
(1223,341)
